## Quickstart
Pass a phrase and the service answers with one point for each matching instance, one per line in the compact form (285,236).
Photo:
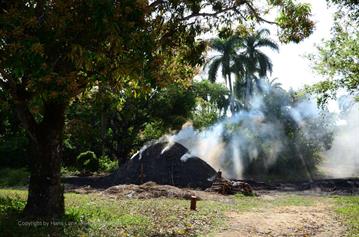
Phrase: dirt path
(314,220)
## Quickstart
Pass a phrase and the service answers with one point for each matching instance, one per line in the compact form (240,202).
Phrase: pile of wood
(227,187)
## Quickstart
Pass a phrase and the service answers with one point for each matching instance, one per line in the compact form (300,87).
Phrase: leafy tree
(337,58)
(52,51)
(351,6)
(112,123)
(252,62)
(281,145)
(241,55)
(212,102)
(227,49)
(141,118)
(14,144)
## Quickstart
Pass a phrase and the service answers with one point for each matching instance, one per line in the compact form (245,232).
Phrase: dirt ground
(317,219)
(314,220)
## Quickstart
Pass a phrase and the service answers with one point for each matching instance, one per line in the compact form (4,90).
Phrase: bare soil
(314,220)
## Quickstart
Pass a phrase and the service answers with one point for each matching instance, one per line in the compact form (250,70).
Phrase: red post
(193,203)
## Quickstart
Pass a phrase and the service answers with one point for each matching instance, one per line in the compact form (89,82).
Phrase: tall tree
(227,53)
(255,63)
(337,58)
(52,51)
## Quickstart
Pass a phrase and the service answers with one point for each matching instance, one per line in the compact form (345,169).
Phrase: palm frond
(262,32)
(239,64)
(209,61)
(265,42)
(264,63)
(233,43)
(213,69)
(217,44)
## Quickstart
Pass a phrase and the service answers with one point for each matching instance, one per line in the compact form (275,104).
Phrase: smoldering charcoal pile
(164,163)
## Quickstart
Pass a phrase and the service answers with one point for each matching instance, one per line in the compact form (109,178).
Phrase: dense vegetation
(337,57)
(84,84)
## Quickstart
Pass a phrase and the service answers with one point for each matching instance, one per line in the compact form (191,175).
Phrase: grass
(95,215)
(245,203)
(348,208)
(10,177)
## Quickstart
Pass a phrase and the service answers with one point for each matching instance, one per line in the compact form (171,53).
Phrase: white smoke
(222,144)
(342,160)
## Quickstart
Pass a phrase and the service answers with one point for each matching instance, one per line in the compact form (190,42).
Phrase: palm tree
(251,64)
(227,53)
(274,84)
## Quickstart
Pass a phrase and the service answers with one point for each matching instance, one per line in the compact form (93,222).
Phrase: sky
(290,66)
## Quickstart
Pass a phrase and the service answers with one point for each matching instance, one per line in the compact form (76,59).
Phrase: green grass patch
(246,203)
(348,208)
(10,177)
(95,215)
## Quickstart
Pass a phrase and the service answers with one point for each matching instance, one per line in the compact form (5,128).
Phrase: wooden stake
(193,203)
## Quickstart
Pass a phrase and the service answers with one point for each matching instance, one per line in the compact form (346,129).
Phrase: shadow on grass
(12,222)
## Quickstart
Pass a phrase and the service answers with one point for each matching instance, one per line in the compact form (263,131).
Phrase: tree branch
(204,14)
(155,3)
(21,104)
(257,16)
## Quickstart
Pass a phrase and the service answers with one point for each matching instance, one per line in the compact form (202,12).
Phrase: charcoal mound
(166,164)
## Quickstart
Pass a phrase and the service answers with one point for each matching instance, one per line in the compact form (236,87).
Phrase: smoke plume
(342,159)
(280,136)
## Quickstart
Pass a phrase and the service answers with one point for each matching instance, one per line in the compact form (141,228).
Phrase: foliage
(280,138)
(13,177)
(98,123)
(294,15)
(212,101)
(227,49)
(351,5)
(107,165)
(240,55)
(337,59)
(115,124)
(51,52)
(87,161)
(96,215)
(14,144)
(252,64)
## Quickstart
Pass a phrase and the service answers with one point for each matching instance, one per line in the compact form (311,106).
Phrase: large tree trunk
(46,194)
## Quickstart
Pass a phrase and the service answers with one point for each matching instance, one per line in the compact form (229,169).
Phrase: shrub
(107,165)
(88,162)
(13,177)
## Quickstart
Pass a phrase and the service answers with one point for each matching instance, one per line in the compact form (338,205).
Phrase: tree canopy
(53,51)
(337,58)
